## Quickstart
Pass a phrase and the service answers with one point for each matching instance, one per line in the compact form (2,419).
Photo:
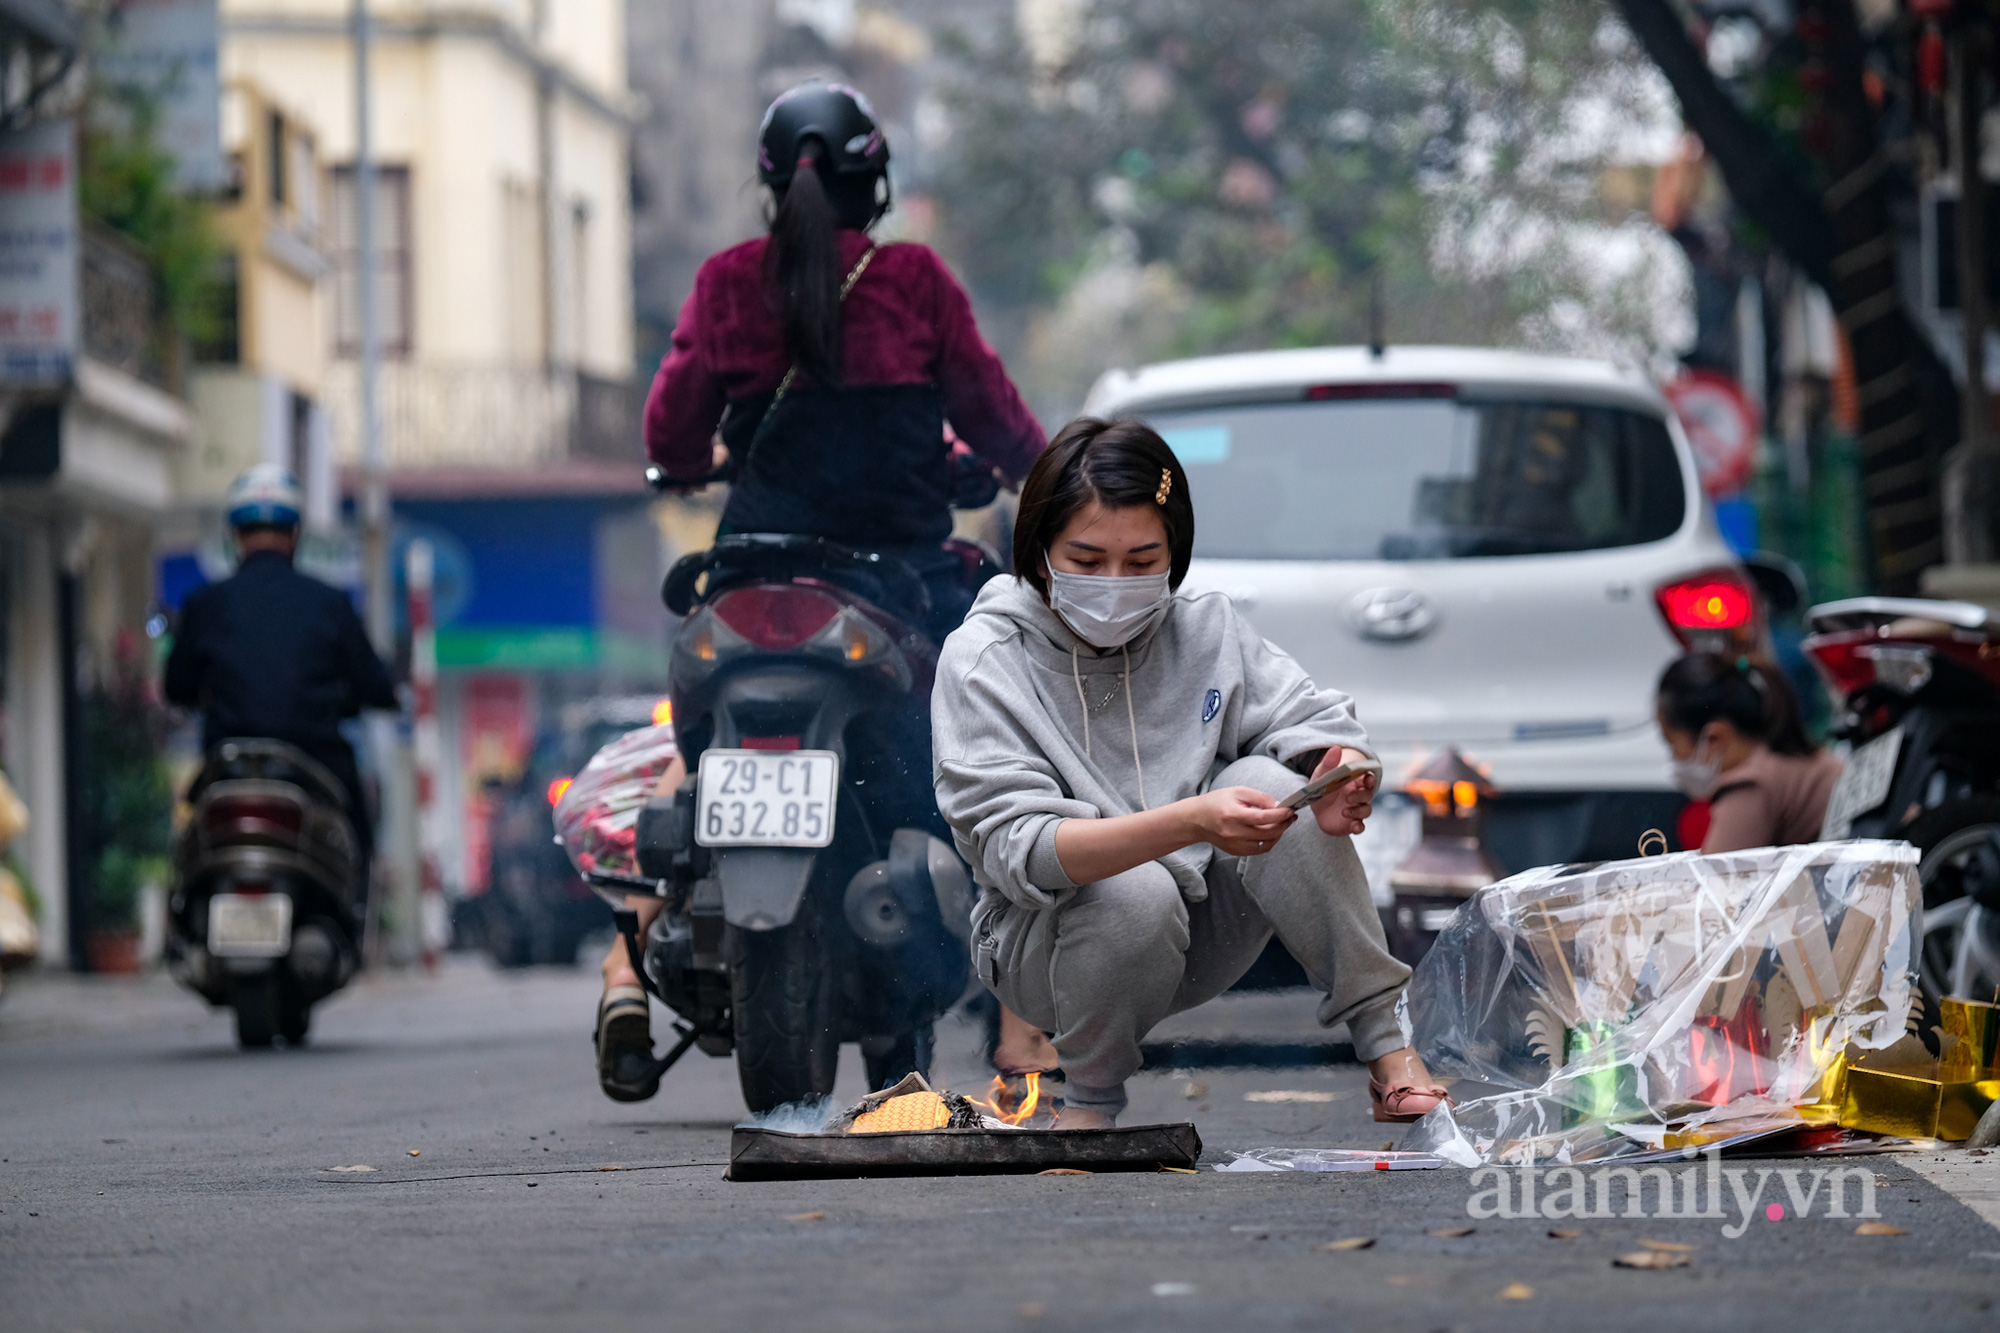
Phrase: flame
(1000,1103)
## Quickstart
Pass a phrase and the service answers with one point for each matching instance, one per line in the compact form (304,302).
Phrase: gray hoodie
(1034,726)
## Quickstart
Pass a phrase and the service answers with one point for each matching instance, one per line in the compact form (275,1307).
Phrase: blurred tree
(1297,172)
(126,182)
(1798,121)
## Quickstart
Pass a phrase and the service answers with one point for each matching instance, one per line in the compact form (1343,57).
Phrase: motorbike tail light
(1902,667)
(1714,602)
(1853,661)
(855,638)
(259,816)
(776,615)
(558,789)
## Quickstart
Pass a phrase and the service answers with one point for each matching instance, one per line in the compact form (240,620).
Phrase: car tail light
(776,616)
(1853,661)
(253,817)
(1714,602)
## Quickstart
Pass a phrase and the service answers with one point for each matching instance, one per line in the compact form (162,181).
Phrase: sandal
(626,1069)
(1401,1103)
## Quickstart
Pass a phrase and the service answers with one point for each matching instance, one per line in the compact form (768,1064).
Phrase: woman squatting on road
(1111,757)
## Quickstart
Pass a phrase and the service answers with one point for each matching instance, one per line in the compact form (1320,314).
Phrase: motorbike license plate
(1863,785)
(246,925)
(766,798)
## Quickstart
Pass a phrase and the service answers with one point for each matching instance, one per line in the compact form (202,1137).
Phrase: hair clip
(1166,486)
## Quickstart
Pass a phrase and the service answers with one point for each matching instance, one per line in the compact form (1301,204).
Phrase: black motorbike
(1918,685)
(264,914)
(809,899)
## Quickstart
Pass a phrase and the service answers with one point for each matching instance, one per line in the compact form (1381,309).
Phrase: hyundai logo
(1390,614)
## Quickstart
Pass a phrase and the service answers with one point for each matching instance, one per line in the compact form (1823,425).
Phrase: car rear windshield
(1424,479)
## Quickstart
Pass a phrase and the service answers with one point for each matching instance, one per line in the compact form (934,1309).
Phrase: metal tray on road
(769,1154)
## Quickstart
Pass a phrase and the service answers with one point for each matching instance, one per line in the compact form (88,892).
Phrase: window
(1424,479)
(224,345)
(274,157)
(394,294)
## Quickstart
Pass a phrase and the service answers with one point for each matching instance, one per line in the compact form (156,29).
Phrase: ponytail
(802,273)
(1756,699)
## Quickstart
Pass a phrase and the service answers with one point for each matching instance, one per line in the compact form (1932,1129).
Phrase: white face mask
(1108,612)
(1696,778)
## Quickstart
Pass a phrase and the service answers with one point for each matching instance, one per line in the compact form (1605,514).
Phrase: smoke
(808,1116)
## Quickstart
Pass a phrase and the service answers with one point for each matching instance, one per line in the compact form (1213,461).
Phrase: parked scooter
(1919,688)
(264,913)
(808,901)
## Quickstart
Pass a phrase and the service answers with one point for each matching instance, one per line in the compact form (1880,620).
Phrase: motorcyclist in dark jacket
(270,653)
(830,364)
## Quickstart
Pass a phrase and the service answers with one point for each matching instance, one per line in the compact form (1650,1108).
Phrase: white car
(1491,550)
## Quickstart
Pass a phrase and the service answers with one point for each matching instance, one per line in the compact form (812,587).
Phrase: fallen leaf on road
(1653,1259)
(1453,1233)
(1196,1090)
(1564,1235)
(1879,1229)
(805,1217)
(416,1152)
(610,1168)
(1669,1246)
(1062,1171)
(1351,1243)
(1517,1291)
(1287,1095)
(1389,1145)
(350,1168)
(1180,1170)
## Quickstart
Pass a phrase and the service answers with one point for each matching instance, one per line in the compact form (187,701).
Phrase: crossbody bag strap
(792,371)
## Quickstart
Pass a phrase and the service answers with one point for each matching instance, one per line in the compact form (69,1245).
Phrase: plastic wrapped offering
(1665,1003)
(597,818)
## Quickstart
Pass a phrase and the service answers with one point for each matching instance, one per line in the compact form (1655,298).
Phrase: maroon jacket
(866,462)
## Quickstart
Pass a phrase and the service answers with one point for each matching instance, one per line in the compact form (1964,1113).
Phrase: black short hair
(262,529)
(1756,699)
(1119,464)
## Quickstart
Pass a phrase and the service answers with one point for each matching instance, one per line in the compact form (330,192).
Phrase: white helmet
(266,495)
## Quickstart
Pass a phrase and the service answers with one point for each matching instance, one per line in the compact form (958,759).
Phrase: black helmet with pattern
(833,113)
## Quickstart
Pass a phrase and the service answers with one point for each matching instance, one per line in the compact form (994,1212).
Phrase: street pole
(434,924)
(375,484)
(1969,469)
(399,890)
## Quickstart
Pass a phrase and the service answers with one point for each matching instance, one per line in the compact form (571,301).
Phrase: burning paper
(1663,1003)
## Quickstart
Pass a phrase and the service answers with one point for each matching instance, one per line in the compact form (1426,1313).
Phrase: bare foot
(1403,1068)
(1082,1117)
(1023,1047)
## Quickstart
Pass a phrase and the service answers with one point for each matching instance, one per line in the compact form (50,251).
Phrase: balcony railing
(485,416)
(124,324)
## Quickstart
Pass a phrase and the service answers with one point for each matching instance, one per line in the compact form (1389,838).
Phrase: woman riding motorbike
(831,363)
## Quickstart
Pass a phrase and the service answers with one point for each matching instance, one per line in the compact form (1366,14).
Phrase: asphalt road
(152,1177)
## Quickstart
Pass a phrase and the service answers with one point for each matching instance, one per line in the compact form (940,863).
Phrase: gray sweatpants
(1111,959)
